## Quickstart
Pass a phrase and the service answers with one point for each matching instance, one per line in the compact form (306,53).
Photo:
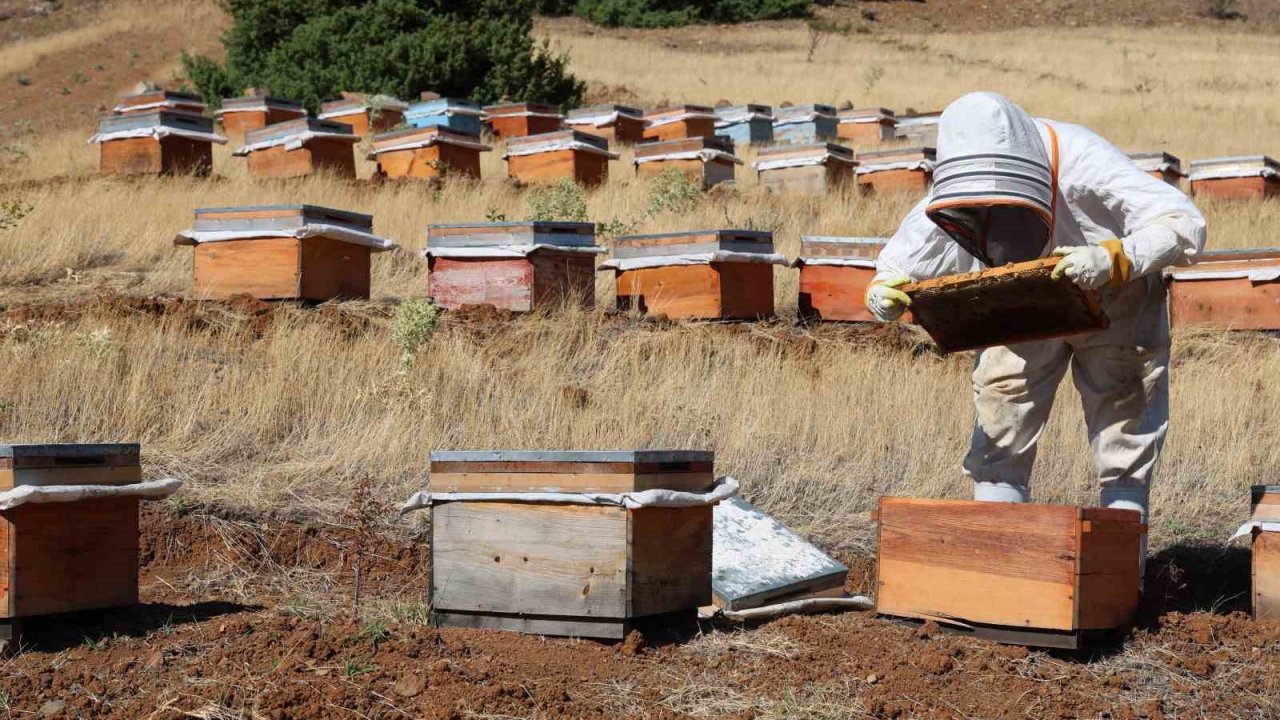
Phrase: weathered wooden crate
(157,142)
(1265,514)
(514,120)
(365,114)
(594,571)
(815,169)
(619,124)
(427,152)
(550,157)
(301,147)
(696,275)
(1005,305)
(153,100)
(867,126)
(805,124)
(1160,165)
(835,273)
(918,128)
(242,114)
(706,161)
(900,170)
(65,557)
(679,122)
(458,115)
(282,252)
(1231,289)
(1250,177)
(745,124)
(1028,574)
(516,266)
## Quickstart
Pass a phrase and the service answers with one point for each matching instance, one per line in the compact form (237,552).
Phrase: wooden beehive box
(745,124)
(1005,305)
(619,124)
(1265,516)
(900,170)
(153,100)
(428,152)
(547,158)
(707,161)
(301,147)
(514,120)
(814,169)
(805,124)
(1020,573)
(282,252)
(66,556)
(918,128)
(595,571)
(679,122)
(1252,177)
(157,142)
(516,266)
(242,114)
(867,126)
(835,273)
(696,275)
(461,116)
(365,114)
(1160,165)
(1231,289)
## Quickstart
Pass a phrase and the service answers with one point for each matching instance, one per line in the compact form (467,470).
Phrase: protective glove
(1091,267)
(885,302)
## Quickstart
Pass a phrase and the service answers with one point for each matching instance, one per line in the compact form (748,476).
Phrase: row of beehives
(303,252)
(667,537)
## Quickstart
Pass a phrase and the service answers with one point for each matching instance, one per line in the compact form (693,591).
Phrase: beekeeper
(1009,188)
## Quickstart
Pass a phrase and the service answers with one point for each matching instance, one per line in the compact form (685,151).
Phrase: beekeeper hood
(995,185)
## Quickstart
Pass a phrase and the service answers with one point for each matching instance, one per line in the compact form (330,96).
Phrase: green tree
(669,13)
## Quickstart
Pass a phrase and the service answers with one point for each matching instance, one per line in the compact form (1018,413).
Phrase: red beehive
(300,147)
(679,122)
(513,120)
(835,273)
(242,114)
(1252,177)
(1231,289)
(549,157)
(615,123)
(427,152)
(904,170)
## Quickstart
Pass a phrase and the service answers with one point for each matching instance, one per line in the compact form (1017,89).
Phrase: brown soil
(220,634)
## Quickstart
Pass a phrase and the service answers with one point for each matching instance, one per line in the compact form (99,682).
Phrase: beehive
(365,114)
(58,557)
(1027,574)
(1265,518)
(918,128)
(153,100)
(461,116)
(834,275)
(745,124)
(901,170)
(679,122)
(868,126)
(242,114)
(814,169)
(707,161)
(1230,289)
(696,275)
(805,124)
(569,568)
(282,252)
(514,120)
(1160,165)
(301,147)
(1252,177)
(572,154)
(516,266)
(156,142)
(618,124)
(428,152)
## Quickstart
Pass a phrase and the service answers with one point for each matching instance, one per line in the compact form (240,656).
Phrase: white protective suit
(991,151)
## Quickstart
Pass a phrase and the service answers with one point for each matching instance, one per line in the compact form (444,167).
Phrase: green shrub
(11,211)
(564,201)
(311,50)
(412,325)
(670,13)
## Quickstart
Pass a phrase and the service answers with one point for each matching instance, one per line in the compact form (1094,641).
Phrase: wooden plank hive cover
(276,217)
(692,241)
(596,115)
(522,108)
(683,146)
(428,134)
(873,161)
(555,141)
(160,99)
(780,156)
(262,102)
(283,132)
(172,119)
(1004,305)
(497,234)
(602,471)
(852,248)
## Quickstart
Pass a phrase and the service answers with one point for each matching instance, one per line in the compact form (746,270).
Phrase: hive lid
(1236,255)
(443,106)
(1258,160)
(558,140)
(779,152)
(67,450)
(160,99)
(802,113)
(595,111)
(846,247)
(358,102)
(678,110)
(430,134)
(922,118)
(522,108)
(691,242)
(293,128)
(866,115)
(1257,491)
(574,471)
(174,119)
(573,456)
(277,217)
(565,234)
(719,143)
(257,102)
(884,157)
(740,113)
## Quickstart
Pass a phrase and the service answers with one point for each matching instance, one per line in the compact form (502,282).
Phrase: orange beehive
(300,147)
(903,170)
(242,114)
(1252,177)
(616,123)
(1230,289)
(513,120)
(834,275)
(156,142)
(696,275)
(1264,528)
(365,113)
(552,156)
(814,169)
(868,126)
(427,152)
(707,161)
(679,122)
(1160,165)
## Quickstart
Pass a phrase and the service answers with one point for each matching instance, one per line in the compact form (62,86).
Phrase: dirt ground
(248,617)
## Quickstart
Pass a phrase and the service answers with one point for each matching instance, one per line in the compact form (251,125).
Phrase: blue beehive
(805,124)
(460,115)
(750,124)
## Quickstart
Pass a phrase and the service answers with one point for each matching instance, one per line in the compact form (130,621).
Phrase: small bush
(674,192)
(11,211)
(671,13)
(564,201)
(412,325)
(1224,10)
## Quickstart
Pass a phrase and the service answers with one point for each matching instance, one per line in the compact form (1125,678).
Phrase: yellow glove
(1092,267)
(885,302)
